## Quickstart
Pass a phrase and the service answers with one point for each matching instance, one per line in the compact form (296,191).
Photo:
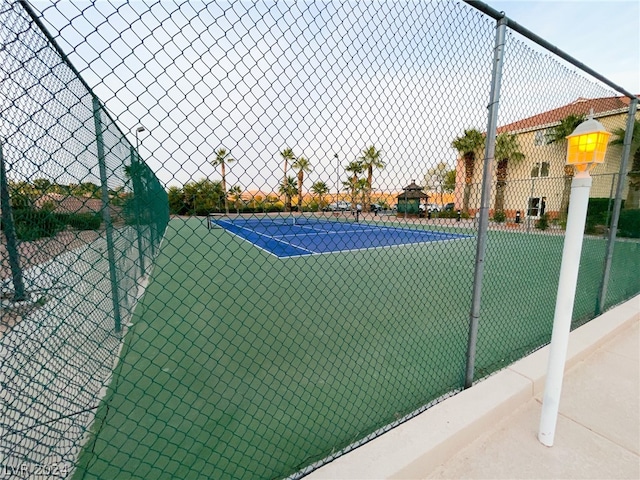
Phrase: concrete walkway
(598,430)
(490,431)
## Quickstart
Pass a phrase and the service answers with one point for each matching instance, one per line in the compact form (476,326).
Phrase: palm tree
(222,158)
(355,186)
(434,179)
(559,134)
(633,194)
(236,194)
(468,146)
(356,169)
(288,156)
(320,189)
(302,165)
(507,150)
(288,189)
(370,158)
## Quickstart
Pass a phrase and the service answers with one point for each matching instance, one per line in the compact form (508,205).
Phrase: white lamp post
(586,148)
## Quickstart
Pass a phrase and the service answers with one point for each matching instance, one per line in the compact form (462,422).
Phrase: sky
(602,34)
(325,78)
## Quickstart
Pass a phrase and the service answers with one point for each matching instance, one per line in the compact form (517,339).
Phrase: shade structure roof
(412,191)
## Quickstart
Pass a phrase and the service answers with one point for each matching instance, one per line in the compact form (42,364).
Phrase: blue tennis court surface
(296,236)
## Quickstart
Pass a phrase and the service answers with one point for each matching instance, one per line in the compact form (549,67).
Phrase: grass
(242,365)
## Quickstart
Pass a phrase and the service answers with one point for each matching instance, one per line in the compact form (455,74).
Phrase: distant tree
(633,193)
(271,199)
(223,157)
(288,189)
(176,201)
(236,196)
(469,146)
(434,179)
(507,151)
(41,185)
(302,165)
(86,189)
(357,188)
(449,183)
(370,158)
(203,196)
(320,189)
(352,184)
(567,125)
(22,195)
(288,157)
(559,134)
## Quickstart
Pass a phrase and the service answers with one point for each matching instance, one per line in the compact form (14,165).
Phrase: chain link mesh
(322,164)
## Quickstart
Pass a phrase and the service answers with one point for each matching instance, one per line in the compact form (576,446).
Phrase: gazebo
(409,200)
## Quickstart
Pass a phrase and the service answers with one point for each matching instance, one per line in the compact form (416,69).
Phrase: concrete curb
(418,446)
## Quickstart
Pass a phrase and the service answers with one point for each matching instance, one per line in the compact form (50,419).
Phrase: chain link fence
(322,163)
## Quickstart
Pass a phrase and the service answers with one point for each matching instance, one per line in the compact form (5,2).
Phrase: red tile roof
(581,106)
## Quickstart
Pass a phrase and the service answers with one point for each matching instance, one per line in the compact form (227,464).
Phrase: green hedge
(31,224)
(598,215)
(629,223)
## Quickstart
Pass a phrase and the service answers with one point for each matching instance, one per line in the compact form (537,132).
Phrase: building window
(540,169)
(537,206)
(541,137)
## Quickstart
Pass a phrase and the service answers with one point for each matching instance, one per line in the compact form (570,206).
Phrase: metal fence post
(626,150)
(151,218)
(492,123)
(137,191)
(611,198)
(106,215)
(10,233)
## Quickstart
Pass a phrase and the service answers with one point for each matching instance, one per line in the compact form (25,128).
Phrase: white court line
(268,236)
(330,252)
(406,230)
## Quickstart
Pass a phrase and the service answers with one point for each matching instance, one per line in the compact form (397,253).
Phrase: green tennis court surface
(243,365)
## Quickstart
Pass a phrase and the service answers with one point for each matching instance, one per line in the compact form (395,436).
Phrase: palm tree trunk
(633,193)
(469,166)
(367,201)
(566,192)
(300,180)
(224,188)
(501,174)
(284,180)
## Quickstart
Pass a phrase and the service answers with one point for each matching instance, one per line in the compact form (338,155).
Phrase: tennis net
(221,220)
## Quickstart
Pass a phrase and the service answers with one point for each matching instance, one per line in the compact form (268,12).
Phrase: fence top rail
(53,42)
(513,25)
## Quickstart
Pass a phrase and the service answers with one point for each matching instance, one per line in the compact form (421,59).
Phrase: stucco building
(540,182)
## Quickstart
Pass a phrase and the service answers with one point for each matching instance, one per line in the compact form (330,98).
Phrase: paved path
(598,431)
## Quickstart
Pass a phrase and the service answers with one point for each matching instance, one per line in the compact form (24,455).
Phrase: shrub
(499,216)
(84,221)
(448,214)
(598,215)
(34,224)
(629,223)
(274,207)
(543,222)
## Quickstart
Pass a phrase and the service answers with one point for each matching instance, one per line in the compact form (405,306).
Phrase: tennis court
(296,235)
(240,364)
